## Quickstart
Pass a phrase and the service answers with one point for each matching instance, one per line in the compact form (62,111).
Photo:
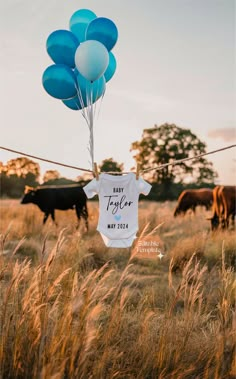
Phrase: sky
(175,64)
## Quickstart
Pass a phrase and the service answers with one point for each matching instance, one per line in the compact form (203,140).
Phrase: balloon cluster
(83,61)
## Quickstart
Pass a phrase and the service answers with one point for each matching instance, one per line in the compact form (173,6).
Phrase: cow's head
(215,222)
(178,211)
(29,195)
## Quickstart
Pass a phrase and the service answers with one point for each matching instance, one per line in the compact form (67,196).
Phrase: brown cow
(224,201)
(228,197)
(190,199)
(216,208)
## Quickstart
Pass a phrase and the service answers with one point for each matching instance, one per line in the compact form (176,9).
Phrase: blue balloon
(79,22)
(90,92)
(61,47)
(111,67)
(103,30)
(73,103)
(59,81)
(91,59)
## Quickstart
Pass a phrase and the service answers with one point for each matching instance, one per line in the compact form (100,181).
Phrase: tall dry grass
(71,308)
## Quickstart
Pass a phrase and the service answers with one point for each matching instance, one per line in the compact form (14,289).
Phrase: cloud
(226,134)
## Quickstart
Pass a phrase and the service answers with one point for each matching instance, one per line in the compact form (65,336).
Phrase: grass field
(72,308)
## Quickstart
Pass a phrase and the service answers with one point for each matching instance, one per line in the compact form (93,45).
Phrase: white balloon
(91,59)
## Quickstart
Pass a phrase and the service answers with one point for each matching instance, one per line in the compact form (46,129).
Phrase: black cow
(49,198)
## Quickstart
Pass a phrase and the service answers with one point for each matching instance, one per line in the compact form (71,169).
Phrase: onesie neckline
(116,178)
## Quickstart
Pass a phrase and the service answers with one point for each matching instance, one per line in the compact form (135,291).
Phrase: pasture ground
(72,308)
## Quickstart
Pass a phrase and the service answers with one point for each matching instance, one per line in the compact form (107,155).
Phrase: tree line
(158,145)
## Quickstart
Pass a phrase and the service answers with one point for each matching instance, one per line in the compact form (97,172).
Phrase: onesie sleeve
(91,189)
(143,187)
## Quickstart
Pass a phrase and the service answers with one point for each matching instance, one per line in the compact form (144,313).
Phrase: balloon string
(90,109)
(100,103)
(81,100)
(88,114)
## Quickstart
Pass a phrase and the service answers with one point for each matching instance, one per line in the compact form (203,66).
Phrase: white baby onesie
(118,206)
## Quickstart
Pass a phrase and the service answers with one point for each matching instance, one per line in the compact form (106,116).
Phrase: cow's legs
(78,213)
(46,214)
(84,214)
(52,213)
(232,220)
(223,222)
(215,222)
(227,223)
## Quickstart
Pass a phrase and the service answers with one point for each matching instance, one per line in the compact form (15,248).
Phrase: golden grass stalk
(59,320)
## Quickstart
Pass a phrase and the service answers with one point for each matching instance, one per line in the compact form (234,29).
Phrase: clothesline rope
(156,168)
(46,160)
(188,159)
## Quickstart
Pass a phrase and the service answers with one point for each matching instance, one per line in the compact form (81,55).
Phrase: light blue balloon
(59,81)
(61,47)
(90,92)
(73,103)
(91,59)
(79,22)
(103,30)
(110,71)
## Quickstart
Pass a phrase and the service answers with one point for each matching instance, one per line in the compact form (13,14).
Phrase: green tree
(22,167)
(2,167)
(51,175)
(167,143)
(59,182)
(109,165)
(16,174)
